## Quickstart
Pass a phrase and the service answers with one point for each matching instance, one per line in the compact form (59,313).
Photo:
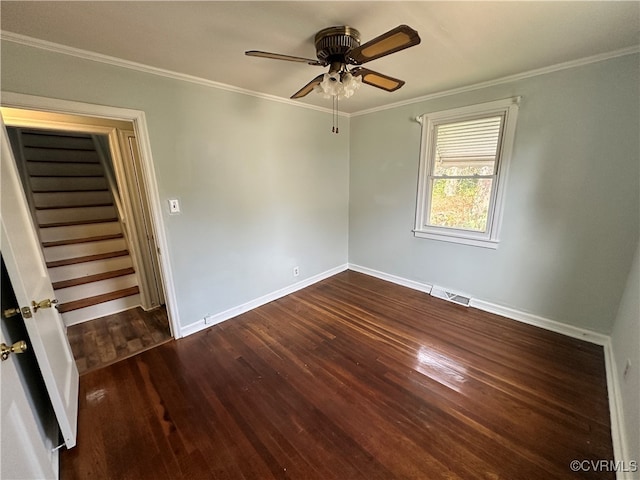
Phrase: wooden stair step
(73,241)
(60,169)
(56,140)
(66,183)
(88,258)
(89,205)
(69,190)
(105,297)
(66,176)
(62,162)
(64,148)
(92,278)
(78,222)
(38,154)
(56,161)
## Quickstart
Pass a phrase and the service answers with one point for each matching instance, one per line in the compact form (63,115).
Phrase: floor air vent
(440,292)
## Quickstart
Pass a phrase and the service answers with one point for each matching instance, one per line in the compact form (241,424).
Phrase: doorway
(134,191)
(85,236)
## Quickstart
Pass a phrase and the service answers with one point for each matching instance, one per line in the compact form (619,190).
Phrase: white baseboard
(618,435)
(537,321)
(422,287)
(250,305)
(513,314)
(618,429)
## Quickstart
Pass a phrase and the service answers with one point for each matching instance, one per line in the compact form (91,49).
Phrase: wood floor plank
(351,378)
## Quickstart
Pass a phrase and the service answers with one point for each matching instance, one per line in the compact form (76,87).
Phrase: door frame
(138,119)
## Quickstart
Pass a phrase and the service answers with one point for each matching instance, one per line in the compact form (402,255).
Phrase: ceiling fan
(339,47)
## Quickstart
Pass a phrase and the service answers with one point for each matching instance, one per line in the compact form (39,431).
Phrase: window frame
(508,109)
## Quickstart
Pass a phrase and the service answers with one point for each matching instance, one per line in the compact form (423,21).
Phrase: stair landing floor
(106,340)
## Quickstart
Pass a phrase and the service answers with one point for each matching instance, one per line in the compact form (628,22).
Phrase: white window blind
(470,141)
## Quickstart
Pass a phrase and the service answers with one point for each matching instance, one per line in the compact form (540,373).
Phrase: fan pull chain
(334,115)
(337,128)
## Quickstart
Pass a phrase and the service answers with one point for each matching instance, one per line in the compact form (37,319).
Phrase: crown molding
(511,78)
(118,62)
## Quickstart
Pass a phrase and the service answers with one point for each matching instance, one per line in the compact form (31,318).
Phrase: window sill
(458,238)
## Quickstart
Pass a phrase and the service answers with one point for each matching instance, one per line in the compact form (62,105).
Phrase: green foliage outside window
(460,202)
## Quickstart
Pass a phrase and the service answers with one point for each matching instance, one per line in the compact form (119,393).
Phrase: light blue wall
(571,217)
(263,185)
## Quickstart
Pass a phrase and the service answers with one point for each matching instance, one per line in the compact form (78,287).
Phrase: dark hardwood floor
(351,378)
(106,340)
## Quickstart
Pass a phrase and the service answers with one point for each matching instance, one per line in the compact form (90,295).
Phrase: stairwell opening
(92,219)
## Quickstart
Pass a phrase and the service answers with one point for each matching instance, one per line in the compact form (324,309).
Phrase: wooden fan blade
(378,80)
(308,87)
(393,41)
(278,56)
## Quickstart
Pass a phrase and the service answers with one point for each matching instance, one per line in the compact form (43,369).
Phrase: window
(463,167)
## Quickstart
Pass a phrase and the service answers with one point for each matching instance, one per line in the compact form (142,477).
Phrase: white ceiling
(463,43)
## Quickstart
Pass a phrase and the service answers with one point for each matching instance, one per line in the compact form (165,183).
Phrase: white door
(30,279)
(26,451)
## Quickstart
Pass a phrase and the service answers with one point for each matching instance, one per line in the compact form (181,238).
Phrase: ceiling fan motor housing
(333,43)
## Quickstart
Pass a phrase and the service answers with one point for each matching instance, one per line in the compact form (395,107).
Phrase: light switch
(174,206)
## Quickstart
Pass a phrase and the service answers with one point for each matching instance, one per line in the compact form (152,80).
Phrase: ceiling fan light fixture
(338,84)
(330,85)
(351,84)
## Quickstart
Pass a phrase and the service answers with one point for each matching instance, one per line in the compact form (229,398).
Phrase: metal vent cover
(458,298)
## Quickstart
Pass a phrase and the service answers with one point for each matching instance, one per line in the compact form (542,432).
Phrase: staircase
(82,239)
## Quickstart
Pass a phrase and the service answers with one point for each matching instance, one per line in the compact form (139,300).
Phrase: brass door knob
(42,304)
(6,350)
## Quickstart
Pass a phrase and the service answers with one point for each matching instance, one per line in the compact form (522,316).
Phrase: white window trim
(490,238)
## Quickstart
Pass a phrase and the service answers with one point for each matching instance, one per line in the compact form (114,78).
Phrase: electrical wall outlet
(296,271)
